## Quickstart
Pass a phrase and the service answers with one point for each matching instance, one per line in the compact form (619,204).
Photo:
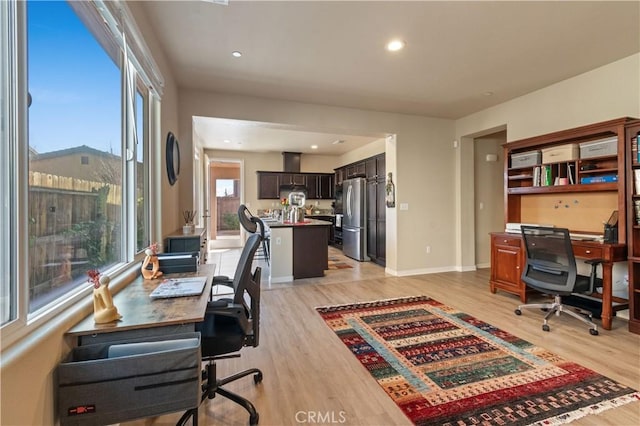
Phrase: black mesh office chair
(253,224)
(228,326)
(551,269)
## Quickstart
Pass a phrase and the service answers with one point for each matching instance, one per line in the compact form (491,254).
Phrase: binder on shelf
(536,176)
(599,179)
(570,174)
(636,179)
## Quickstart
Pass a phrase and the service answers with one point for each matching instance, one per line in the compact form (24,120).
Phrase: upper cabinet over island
(319,185)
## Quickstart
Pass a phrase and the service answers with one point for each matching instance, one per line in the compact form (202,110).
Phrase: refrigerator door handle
(350,229)
(349,201)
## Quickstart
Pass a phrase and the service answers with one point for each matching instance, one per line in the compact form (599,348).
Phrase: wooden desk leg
(607,279)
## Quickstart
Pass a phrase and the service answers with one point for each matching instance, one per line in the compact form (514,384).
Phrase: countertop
(307,222)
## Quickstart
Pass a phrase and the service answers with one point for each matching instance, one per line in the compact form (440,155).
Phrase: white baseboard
(285,279)
(423,271)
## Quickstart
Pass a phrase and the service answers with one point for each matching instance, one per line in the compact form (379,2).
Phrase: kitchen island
(298,250)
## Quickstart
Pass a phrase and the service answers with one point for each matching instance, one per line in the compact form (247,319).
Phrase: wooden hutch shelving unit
(633,223)
(567,179)
(518,182)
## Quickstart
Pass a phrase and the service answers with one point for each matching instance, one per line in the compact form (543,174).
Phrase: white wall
(608,92)
(369,150)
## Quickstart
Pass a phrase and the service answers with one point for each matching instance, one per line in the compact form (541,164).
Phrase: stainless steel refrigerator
(354,233)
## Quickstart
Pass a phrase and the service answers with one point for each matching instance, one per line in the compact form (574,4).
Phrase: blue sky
(74,84)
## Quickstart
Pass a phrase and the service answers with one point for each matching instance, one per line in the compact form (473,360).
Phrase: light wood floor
(307,370)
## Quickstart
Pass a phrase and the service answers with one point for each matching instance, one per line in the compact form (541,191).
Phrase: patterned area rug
(335,263)
(444,367)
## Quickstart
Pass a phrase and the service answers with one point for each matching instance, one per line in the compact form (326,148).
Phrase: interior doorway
(488,191)
(225,195)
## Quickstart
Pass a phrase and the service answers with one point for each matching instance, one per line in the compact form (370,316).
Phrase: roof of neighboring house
(82,149)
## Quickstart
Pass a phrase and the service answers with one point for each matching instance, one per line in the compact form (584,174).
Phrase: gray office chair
(551,269)
(229,325)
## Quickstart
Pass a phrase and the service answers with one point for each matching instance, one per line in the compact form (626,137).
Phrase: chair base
(557,308)
(212,386)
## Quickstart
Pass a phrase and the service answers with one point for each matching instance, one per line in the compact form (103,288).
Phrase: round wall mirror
(173,158)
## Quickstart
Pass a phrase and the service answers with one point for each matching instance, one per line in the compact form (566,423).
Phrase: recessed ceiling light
(395,45)
(236,53)
(314,146)
(226,141)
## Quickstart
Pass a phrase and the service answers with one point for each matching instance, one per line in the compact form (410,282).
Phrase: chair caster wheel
(257,378)
(518,312)
(593,332)
(545,328)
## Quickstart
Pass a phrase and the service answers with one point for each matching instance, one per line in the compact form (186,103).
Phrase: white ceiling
(332,53)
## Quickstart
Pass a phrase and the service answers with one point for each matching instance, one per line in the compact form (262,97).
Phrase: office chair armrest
(594,262)
(231,310)
(223,280)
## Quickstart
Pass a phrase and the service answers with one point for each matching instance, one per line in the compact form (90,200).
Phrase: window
(74,105)
(142,184)
(75,214)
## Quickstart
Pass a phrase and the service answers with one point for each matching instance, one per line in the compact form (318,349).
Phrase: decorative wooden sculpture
(151,258)
(390,190)
(104,310)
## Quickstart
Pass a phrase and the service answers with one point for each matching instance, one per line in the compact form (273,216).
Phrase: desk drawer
(588,252)
(505,240)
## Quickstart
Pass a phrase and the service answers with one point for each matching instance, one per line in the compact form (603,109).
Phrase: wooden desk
(142,316)
(508,260)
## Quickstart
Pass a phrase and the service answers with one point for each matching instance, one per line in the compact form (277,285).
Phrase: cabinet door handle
(505,241)
(588,251)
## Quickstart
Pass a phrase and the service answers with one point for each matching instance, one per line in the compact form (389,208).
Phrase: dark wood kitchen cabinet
(320,186)
(356,170)
(293,179)
(339,176)
(268,185)
(376,209)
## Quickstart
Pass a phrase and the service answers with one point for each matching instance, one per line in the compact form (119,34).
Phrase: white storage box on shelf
(521,160)
(560,153)
(599,148)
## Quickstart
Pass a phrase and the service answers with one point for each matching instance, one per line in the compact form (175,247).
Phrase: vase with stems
(189,216)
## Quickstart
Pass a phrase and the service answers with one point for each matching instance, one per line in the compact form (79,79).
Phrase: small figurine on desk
(104,310)
(152,258)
